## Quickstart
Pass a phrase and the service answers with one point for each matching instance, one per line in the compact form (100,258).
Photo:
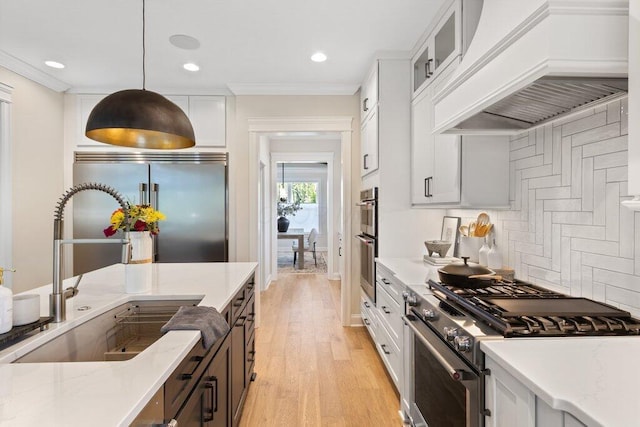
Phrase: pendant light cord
(144,53)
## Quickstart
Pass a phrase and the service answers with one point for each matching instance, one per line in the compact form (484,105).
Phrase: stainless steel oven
(445,390)
(368,240)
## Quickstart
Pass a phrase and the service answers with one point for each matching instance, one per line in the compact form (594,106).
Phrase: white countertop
(108,393)
(410,271)
(594,379)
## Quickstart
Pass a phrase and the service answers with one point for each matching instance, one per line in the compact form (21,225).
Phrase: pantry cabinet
(206,113)
(511,403)
(369,138)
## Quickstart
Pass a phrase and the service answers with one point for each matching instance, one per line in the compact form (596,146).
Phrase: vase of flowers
(285,209)
(143,223)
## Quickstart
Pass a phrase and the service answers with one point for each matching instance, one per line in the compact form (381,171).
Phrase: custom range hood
(531,61)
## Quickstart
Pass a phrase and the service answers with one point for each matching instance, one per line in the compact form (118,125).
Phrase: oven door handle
(455,374)
(367,203)
(364,240)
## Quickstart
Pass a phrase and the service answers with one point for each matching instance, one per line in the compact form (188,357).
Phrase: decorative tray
(8,338)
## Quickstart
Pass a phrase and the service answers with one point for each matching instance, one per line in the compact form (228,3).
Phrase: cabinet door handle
(241,321)
(427,68)
(364,105)
(385,309)
(384,349)
(365,161)
(427,187)
(366,304)
(213,386)
(340,251)
(367,322)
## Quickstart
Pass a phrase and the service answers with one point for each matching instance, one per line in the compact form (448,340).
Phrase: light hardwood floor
(311,371)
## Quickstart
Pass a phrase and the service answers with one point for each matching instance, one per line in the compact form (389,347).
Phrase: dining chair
(309,247)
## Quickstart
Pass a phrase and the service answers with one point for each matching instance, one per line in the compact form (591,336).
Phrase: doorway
(6,239)
(259,131)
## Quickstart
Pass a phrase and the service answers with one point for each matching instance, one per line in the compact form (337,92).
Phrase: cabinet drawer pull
(384,349)
(385,309)
(367,322)
(241,321)
(364,105)
(364,159)
(185,377)
(385,281)
(366,304)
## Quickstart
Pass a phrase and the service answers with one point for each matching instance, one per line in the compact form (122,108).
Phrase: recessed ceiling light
(54,64)
(318,57)
(184,42)
(190,66)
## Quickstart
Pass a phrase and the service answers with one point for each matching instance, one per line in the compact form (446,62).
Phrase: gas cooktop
(521,309)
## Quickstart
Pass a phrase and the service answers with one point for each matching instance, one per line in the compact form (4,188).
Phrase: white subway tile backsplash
(611,160)
(587,184)
(597,134)
(605,262)
(566,161)
(612,145)
(553,193)
(576,172)
(566,229)
(602,247)
(584,124)
(613,112)
(613,211)
(599,192)
(584,231)
(617,174)
(560,205)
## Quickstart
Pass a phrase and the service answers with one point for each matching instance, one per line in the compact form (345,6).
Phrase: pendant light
(140,118)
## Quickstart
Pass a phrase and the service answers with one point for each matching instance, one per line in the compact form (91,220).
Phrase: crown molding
(293,88)
(165,91)
(12,63)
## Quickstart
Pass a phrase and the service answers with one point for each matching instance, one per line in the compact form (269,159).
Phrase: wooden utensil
(472,229)
(464,230)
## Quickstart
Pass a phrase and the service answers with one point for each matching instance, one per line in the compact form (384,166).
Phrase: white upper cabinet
(369,138)
(440,48)
(206,113)
(369,93)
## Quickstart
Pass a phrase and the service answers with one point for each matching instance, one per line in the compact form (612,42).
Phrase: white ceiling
(249,46)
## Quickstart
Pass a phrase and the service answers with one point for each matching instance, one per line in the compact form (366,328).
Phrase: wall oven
(368,240)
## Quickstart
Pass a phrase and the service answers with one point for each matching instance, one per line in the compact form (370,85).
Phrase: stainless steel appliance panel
(92,209)
(194,199)
(445,389)
(367,265)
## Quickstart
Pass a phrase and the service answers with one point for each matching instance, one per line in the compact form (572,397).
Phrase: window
(306,193)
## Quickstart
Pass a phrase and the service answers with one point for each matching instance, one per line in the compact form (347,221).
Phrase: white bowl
(26,309)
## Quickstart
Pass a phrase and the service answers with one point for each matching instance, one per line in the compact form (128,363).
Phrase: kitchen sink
(119,334)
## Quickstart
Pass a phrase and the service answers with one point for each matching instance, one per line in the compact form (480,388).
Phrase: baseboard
(356,320)
(334,276)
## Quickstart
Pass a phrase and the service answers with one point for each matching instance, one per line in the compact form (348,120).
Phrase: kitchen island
(108,393)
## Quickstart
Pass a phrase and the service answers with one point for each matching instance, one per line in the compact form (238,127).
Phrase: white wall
(566,228)
(37,175)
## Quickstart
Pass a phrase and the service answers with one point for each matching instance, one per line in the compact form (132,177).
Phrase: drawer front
(368,317)
(387,280)
(391,355)
(390,314)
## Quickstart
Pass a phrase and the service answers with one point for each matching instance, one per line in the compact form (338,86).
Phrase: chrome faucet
(58,297)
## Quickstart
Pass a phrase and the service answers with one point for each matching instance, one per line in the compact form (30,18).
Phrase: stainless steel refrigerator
(189,188)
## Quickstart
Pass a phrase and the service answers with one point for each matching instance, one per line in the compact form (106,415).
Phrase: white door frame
(340,124)
(325,157)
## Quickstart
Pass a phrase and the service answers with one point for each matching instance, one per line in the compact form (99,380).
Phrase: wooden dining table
(295,234)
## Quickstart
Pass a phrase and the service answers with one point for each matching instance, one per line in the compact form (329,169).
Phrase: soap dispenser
(6,304)
(494,257)
(483,258)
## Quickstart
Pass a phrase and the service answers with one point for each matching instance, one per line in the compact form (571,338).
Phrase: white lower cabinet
(512,404)
(384,322)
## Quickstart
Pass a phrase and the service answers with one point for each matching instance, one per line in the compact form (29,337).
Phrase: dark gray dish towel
(207,320)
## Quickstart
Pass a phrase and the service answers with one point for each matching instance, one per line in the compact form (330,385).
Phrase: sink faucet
(58,297)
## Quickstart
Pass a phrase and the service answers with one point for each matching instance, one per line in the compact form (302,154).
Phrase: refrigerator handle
(153,201)
(143,193)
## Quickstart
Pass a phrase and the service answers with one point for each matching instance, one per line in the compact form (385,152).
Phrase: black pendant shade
(141,119)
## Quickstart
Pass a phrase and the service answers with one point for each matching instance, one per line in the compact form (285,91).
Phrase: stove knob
(462,343)
(410,298)
(450,333)
(429,314)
